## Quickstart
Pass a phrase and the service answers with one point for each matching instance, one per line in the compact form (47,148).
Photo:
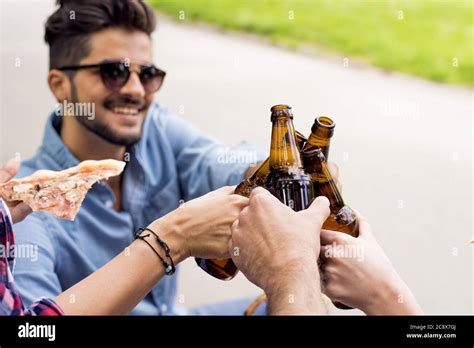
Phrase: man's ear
(59,84)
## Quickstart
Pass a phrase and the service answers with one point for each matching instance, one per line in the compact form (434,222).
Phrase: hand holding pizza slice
(60,193)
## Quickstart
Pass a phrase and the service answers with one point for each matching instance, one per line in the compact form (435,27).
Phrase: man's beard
(102,129)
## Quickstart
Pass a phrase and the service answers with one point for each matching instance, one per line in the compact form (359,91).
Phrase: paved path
(404,145)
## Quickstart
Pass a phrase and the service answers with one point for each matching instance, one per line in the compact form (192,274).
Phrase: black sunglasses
(115,74)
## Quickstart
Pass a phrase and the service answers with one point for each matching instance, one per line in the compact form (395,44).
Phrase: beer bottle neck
(316,166)
(284,153)
(300,140)
(321,133)
(264,169)
(322,143)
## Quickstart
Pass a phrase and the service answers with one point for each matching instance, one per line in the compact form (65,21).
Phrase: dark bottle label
(295,191)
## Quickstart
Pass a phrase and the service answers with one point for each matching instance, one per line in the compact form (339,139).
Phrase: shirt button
(164,308)
(109,203)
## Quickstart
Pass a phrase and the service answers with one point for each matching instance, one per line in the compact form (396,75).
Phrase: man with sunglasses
(103,55)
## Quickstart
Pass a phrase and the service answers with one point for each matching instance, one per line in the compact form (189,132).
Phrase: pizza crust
(109,165)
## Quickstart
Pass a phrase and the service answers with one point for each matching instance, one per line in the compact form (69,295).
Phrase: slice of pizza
(60,193)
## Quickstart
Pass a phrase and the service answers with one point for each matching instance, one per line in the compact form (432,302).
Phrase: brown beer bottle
(225,269)
(287,179)
(341,217)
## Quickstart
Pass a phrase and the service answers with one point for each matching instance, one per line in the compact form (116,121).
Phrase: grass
(427,38)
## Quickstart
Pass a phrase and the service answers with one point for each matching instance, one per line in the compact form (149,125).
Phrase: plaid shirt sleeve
(10,299)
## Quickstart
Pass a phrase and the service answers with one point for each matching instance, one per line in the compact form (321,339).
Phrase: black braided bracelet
(169,267)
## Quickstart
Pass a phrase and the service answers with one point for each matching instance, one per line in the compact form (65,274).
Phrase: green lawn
(428,38)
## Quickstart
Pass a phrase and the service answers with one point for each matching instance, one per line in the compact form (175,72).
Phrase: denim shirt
(173,162)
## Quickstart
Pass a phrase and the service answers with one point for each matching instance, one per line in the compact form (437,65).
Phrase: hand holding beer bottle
(293,183)
(286,264)
(369,281)
(225,269)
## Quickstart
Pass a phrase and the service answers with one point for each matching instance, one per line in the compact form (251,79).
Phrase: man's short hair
(68,29)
